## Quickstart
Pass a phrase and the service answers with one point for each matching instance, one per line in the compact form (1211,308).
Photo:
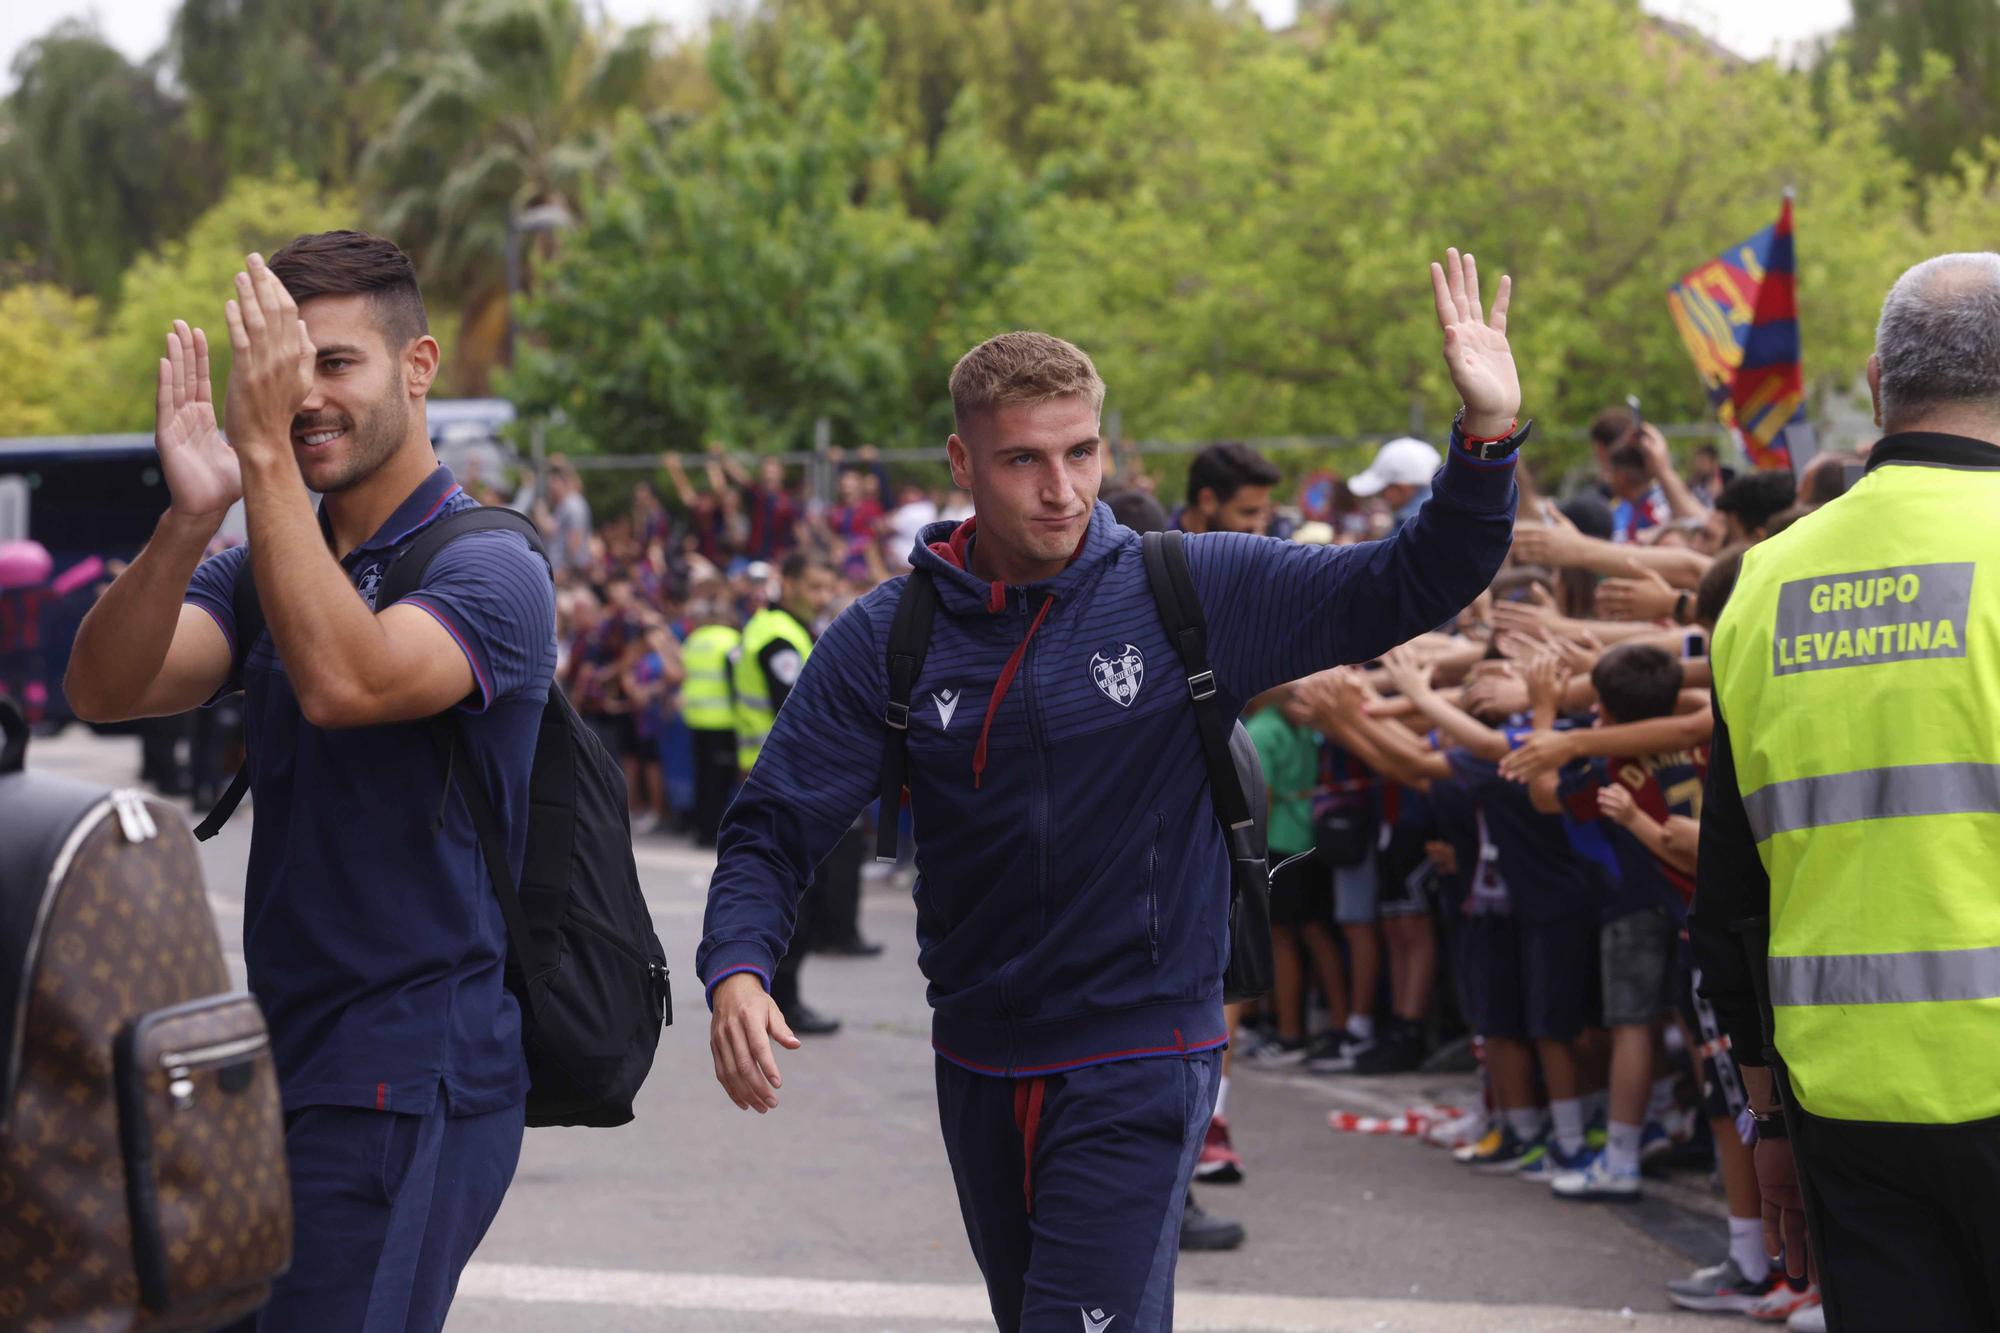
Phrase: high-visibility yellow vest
(1858,670)
(754,713)
(705,704)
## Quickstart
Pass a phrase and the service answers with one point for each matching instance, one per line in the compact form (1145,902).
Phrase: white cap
(1404,462)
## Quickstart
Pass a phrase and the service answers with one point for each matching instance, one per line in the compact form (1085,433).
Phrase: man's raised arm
(143,651)
(1279,611)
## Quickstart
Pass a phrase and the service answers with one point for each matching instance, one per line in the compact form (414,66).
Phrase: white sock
(1662,1103)
(1621,1148)
(1222,1096)
(1568,1115)
(1526,1122)
(1361,1026)
(1746,1247)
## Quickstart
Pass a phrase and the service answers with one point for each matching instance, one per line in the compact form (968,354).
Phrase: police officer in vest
(1846,921)
(710,715)
(766,665)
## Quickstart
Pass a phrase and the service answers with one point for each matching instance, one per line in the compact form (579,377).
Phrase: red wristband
(1470,438)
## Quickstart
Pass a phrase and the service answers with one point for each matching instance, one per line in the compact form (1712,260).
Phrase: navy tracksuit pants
(1072,1186)
(387,1208)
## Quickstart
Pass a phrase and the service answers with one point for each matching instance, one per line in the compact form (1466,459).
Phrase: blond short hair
(1022,367)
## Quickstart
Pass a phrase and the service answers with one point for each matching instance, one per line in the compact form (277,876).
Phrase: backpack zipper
(180,1065)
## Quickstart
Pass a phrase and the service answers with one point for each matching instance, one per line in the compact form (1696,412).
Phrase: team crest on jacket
(1118,671)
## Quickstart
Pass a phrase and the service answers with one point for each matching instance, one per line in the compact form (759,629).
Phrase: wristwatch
(1770,1124)
(1490,451)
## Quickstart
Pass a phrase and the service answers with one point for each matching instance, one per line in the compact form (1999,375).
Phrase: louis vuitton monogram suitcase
(142,1170)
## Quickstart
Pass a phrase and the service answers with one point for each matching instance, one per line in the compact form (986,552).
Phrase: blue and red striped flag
(1738,315)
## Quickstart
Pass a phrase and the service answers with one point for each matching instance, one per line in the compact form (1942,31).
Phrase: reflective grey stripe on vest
(1887,978)
(715,677)
(1873,793)
(760,702)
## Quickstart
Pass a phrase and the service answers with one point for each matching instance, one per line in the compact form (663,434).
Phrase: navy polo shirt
(372,936)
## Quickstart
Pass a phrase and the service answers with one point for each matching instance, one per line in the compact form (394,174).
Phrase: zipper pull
(134,820)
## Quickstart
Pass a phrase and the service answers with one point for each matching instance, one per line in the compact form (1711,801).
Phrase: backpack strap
(247,610)
(493,848)
(406,573)
(1180,611)
(909,641)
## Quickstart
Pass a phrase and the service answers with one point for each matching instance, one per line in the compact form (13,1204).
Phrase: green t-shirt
(1290,756)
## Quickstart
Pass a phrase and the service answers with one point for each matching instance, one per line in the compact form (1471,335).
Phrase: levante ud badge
(1118,671)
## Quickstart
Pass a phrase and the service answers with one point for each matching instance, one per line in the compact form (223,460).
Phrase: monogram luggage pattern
(142,1174)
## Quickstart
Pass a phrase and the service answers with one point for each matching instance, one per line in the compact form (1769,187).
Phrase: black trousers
(839,881)
(1906,1223)
(714,781)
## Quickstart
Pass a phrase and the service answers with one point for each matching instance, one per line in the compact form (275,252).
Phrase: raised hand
(1475,346)
(1408,672)
(202,473)
(1616,804)
(272,374)
(1548,678)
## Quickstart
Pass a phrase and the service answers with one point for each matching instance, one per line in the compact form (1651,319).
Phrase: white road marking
(1194,1311)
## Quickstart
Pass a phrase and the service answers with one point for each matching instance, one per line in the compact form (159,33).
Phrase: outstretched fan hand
(203,476)
(1475,346)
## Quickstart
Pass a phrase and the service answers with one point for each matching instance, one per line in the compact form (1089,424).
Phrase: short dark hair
(1636,681)
(1611,425)
(1711,595)
(1227,468)
(354,263)
(1629,458)
(798,562)
(1137,511)
(1757,497)
(1709,451)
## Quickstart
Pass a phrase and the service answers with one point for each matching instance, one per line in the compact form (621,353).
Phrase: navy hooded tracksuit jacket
(1073,888)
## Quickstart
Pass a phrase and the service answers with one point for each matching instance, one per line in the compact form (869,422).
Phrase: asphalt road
(836,1212)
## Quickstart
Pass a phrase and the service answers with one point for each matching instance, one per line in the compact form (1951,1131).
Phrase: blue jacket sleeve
(1280,610)
(818,770)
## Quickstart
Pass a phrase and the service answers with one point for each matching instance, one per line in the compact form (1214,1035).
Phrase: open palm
(1475,345)
(203,475)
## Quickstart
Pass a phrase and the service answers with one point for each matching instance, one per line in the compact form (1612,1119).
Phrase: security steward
(775,645)
(710,715)
(1846,922)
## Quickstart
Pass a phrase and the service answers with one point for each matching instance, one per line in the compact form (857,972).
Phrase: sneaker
(1721,1289)
(1656,1145)
(1203,1230)
(1783,1301)
(1400,1050)
(1552,1161)
(1510,1156)
(1808,1318)
(1219,1164)
(806,1021)
(1328,1052)
(1457,1131)
(1277,1053)
(1489,1142)
(1597,1182)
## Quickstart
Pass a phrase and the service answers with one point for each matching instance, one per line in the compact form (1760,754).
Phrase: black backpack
(582,957)
(1231,758)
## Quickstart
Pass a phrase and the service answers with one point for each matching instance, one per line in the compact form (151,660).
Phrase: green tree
(1945,58)
(271,82)
(1245,253)
(750,274)
(190,278)
(99,161)
(49,369)
(512,109)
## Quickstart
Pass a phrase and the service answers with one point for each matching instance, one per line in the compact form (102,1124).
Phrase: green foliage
(48,374)
(274,82)
(1944,58)
(1245,252)
(752,273)
(98,160)
(511,109)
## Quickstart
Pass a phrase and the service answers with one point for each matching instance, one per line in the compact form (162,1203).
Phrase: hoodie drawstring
(1000,689)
